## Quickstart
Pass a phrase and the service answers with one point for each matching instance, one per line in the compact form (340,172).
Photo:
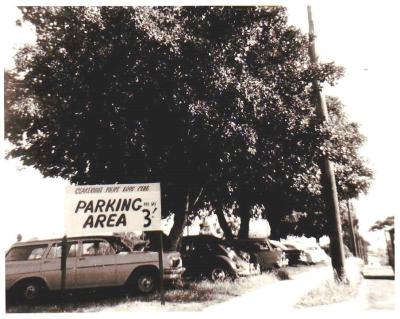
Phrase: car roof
(203,238)
(278,244)
(252,240)
(44,241)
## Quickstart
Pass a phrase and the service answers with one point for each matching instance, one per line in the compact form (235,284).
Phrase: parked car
(209,256)
(293,254)
(262,252)
(312,254)
(347,251)
(315,255)
(34,267)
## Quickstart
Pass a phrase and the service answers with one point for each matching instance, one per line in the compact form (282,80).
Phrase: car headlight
(245,256)
(174,261)
(231,254)
(303,256)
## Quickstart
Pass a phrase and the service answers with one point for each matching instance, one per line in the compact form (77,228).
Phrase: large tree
(341,140)
(98,99)
(212,102)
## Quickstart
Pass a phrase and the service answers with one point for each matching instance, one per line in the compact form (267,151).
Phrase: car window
(55,250)
(266,245)
(32,252)
(200,247)
(216,249)
(121,246)
(96,248)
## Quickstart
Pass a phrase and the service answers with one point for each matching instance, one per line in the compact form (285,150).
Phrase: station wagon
(34,267)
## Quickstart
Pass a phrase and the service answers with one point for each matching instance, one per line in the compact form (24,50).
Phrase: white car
(311,254)
(315,255)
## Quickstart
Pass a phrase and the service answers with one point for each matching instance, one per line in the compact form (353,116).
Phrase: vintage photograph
(224,158)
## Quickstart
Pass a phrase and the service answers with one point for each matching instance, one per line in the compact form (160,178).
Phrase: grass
(330,292)
(184,296)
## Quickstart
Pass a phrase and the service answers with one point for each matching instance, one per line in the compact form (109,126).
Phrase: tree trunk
(274,217)
(274,222)
(222,222)
(180,220)
(177,230)
(244,213)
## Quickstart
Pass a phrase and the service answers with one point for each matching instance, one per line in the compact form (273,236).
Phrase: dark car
(214,258)
(262,252)
(294,255)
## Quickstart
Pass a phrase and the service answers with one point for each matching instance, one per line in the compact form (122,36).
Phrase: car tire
(255,259)
(219,273)
(146,282)
(30,291)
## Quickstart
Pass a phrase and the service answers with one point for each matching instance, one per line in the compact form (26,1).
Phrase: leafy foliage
(382,224)
(214,102)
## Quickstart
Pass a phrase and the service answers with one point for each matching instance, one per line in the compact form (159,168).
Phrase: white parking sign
(112,208)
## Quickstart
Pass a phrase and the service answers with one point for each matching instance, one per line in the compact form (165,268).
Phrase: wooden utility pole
(161,267)
(327,174)
(63,262)
(353,237)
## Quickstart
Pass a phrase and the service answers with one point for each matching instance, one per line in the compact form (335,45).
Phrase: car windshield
(119,246)
(32,252)
(278,244)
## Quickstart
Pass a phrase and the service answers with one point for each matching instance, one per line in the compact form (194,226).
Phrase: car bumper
(173,273)
(283,262)
(248,271)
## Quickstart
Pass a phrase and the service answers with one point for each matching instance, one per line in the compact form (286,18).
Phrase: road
(380,294)
(375,297)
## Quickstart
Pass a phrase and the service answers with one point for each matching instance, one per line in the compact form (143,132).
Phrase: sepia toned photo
(226,158)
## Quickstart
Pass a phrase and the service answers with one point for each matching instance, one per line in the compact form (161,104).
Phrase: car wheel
(146,282)
(30,291)
(219,273)
(256,260)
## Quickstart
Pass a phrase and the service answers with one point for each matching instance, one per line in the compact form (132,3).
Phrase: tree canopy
(213,102)
(383,224)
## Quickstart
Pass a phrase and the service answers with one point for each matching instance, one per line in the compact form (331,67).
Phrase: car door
(202,258)
(193,254)
(95,265)
(188,256)
(51,265)
(269,256)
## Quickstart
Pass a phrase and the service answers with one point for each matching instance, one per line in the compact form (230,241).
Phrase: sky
(359,35)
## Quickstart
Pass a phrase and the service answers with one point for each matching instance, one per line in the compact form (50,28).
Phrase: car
(34,267)
(262,252)
(293,254)
(315,255)
(213,258)
(347,251)
(311,254)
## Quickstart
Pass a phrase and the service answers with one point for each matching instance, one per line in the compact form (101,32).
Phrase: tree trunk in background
(274,220)
(177,230)
(180,220)
(222,222)
(244,213)
(275,211)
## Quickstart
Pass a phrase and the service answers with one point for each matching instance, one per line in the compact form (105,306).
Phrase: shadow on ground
(187,292)
(80,300)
